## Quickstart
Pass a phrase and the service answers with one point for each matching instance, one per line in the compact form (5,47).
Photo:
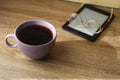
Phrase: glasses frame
(88,23)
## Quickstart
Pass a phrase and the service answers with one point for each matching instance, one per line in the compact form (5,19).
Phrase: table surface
(72,56)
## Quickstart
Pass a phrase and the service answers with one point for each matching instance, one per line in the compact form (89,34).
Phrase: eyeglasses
(86,25)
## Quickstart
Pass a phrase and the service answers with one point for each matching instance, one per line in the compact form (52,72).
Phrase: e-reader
(88,22)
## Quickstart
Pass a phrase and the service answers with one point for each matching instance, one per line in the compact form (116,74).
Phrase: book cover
(105,3)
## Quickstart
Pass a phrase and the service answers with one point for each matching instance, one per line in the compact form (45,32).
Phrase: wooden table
(72,57)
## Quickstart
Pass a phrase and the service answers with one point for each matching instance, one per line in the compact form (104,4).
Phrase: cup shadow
(95,60)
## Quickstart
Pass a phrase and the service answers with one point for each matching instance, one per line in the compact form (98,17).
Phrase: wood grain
(71,58)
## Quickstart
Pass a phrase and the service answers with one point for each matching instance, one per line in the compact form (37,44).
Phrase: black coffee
(35,35)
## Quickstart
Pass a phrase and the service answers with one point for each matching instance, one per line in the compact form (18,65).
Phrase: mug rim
(28,21)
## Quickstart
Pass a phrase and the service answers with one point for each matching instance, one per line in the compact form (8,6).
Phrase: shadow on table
(82,59)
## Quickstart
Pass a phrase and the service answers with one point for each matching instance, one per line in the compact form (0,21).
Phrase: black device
(88,22)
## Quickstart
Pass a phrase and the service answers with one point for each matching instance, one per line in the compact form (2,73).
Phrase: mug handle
(8,43)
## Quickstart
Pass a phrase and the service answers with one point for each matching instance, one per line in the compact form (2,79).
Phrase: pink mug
(32,46)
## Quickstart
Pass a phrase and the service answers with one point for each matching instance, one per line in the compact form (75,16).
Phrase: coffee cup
(34,38)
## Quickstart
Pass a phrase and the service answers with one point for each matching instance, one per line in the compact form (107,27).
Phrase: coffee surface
(35,35)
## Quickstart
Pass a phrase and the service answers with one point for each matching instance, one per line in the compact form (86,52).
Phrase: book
(105,3)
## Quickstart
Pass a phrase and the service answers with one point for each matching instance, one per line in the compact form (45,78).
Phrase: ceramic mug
(33,51)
